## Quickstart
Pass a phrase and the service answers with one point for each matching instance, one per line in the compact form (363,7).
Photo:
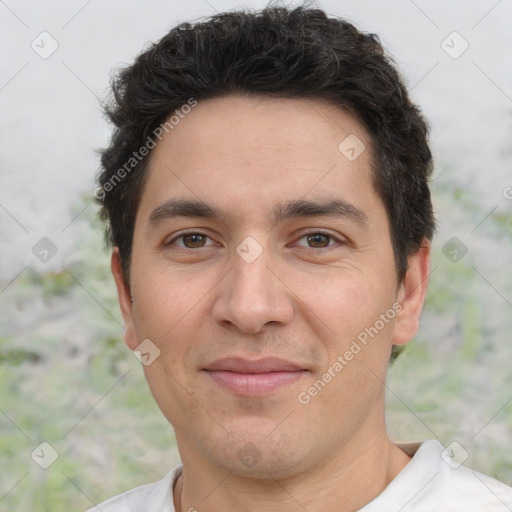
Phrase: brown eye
(318,240)
(190,240)
(193,240)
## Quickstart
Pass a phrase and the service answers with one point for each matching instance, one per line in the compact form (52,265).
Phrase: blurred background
(66,378)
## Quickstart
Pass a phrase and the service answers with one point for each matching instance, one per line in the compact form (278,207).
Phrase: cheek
(348,322)
(345,303)
(167,306)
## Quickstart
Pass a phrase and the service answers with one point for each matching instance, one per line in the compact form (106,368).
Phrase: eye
(191,240)
(318,240)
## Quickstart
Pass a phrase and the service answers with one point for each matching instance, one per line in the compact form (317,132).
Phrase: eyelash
(307,233)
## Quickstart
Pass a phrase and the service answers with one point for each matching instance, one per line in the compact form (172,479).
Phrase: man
(266,190)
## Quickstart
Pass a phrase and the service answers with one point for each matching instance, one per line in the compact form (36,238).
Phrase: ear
(412,294)
(125,303)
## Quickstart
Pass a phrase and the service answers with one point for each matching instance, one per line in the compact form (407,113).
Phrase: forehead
(243,125)
(246,153)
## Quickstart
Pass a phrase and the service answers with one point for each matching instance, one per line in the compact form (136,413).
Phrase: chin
(257,448)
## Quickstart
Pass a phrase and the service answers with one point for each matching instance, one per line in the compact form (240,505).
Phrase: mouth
(253,377)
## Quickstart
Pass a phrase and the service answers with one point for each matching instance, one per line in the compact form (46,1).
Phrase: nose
(253,296)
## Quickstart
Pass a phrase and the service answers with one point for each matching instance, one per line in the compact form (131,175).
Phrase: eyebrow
(282,212)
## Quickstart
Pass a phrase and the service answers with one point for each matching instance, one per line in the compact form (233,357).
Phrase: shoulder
(432,480)
(466,487)
(455,486)
(154,497)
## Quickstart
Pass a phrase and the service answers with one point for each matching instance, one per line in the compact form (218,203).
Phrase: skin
(304,299)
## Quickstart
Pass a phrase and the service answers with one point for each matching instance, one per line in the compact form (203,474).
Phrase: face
(263,271)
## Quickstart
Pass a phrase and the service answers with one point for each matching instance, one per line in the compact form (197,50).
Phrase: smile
(253,378)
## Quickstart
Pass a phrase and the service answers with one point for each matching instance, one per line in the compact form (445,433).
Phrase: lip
(253,377)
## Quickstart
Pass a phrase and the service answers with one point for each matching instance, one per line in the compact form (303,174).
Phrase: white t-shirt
(428,483)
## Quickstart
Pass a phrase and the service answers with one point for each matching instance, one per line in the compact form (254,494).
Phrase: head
(266,193)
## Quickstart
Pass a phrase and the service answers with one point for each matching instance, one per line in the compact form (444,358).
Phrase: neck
(350,479)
